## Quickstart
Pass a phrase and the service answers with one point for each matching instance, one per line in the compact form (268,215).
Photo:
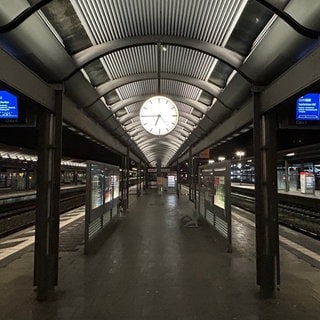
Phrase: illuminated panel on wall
(8,105)
(307,107)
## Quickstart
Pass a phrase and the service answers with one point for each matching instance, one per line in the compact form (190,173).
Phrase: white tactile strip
(283,240)
(9,247)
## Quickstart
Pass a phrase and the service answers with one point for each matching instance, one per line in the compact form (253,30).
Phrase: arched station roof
(205,55)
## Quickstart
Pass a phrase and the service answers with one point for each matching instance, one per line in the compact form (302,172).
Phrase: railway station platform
(153,267)
(297,193)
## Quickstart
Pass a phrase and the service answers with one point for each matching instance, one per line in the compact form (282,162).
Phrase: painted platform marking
(26,240)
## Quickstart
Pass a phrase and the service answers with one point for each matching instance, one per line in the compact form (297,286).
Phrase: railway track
(298,213)
(19,212)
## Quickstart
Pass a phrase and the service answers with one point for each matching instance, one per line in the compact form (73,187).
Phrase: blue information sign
(8,105)
(308,107)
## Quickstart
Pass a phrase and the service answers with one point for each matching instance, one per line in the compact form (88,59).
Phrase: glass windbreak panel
(115,179)
(219,185)
(96,187)
(107,188)
(207,186)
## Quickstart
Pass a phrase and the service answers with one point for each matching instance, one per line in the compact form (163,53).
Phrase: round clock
(159,115)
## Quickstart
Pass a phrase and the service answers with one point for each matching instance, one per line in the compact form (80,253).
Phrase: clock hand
(159,116)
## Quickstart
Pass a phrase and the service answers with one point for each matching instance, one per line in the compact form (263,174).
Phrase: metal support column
(194,180)
(123,183)
(139,178)
(178,178)
(286,175)
(266,204)
(48,199)
(127,176)
(190,174)
(145,177)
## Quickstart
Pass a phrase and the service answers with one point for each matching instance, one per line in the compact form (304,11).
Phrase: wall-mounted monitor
(8,105)
(308,107)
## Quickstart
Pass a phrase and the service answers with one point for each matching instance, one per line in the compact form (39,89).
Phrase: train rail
(301,214)
(18,212)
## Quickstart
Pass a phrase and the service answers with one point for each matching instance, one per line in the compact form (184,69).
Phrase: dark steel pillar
(190,174)
(194,179)
(127,176)
(139,178)
(123,183)
(48,197)
(178,178)
(266,204)
(286,175)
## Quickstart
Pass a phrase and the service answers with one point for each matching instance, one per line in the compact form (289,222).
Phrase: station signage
(8,105)
(308,107)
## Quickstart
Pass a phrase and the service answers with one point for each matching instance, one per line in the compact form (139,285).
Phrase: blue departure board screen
(8,105)
(308,107)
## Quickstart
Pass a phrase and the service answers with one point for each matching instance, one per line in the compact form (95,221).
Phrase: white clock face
(159,115)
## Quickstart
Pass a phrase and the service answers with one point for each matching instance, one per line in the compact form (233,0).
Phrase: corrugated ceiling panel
(207,20)
(168,87)
(135,108)
(137,60)
(138,88)
(183,107)
(186,61)
(179,89)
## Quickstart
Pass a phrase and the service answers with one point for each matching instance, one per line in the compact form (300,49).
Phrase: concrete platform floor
(151,267)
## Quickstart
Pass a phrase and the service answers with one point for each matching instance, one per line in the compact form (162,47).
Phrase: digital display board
(8,105)
(308,107)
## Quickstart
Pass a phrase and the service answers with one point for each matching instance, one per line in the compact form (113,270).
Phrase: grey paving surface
(151,267)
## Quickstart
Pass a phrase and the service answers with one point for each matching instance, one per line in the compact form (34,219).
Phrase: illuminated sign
(307,107)
(8,105)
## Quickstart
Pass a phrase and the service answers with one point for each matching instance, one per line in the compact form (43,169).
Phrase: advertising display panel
(171,181)
(102,203)
(96,187)
(307,182)
(219,187)
(214,203)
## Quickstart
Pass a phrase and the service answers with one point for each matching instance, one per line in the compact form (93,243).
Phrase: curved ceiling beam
(173,137)
(138,129)
(145,135)
(173,143)
(231,58)
(165,153)
(293,23)
(114,84)
(111,85)
(162,143)
(190,117)
(151,153)
(129,116)
(21,17)
(155,156)
(186,126)
(153,161)
(140,132)
(127,102)
(189,128)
